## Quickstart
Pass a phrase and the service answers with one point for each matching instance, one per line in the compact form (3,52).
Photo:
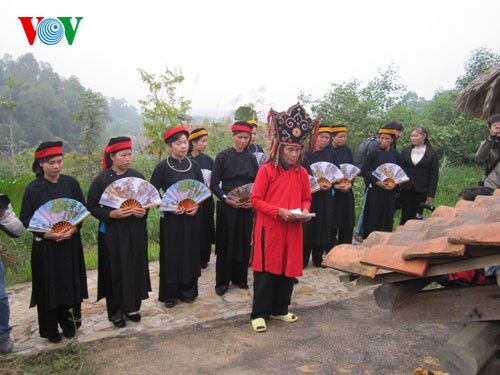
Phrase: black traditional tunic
(343,203)
(59,280)
(179,235)
(123,270)
(207,225)
(254,148)
(317,232)
(234,226)
(380,203)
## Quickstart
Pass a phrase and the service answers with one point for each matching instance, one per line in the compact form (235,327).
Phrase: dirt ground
(353,336)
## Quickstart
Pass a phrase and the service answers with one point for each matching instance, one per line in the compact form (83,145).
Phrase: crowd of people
(272,232)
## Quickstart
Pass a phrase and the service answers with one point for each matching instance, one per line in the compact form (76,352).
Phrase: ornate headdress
(291,127)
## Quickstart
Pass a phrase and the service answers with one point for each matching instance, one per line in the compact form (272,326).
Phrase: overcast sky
(232,52)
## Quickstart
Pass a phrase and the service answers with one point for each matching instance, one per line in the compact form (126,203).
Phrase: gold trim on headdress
(339,129)
(324,129)
(198,134)
(387,131)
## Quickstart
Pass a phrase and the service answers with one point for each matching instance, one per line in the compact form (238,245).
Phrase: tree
(91,116)
(10,106)
(481,59)
(162,108)
(246,112)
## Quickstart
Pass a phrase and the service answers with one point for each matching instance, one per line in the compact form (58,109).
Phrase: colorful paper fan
(207,174)
(261,158)
(326,173)
(314,184)
(391,173)
(130,192)
(57,215)
(184,194)
(241,194)
(349,171)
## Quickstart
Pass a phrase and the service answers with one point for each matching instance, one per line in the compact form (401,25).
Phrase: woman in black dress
(421,164)
(318,231)
(59,280)
(233,168)
(381,196)
(198,142)
(343,198)
(179,230)
(123,270)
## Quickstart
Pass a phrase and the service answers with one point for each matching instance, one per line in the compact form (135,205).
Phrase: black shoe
(221,290)
(133,317)
(55,339)
(204,265)
(295,280)
(170,303)
(69,332)
(120,323)
(241,285)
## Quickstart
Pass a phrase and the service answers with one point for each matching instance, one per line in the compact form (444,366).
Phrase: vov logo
(50,31)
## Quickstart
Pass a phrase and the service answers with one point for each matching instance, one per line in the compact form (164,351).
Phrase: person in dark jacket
(123,271)
(59,279)
(421,164)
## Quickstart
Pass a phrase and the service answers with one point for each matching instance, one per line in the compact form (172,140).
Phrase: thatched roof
(482,96)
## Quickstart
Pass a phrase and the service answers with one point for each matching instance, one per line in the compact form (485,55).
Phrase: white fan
(130,192)
(207,174)
(391,173)
(261,158)
(349,171)
(241,194)
(326,173)
(57,215)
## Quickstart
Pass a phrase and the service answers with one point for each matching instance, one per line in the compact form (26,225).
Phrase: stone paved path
(318,286)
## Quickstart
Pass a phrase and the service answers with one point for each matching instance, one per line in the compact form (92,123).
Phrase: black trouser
(411,205)
(317,254)
(272,294)
(230,271)
(115,312)
(342,235)
(67,317)
(184,292)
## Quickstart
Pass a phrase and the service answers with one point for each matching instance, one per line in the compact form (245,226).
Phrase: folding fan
(391,173)
(130,192)
(207,174)
(349,171)
(184,194)
(241,194)
(57,215)
(326,173)
(314,184)
(261,158)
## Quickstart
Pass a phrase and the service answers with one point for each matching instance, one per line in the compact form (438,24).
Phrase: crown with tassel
(294,126)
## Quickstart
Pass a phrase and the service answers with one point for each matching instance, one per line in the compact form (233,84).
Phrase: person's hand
(306,211)
(385,185)
(325,186)
(344,188)
(180,211)
(286,215)
(429,200)
(120,213)
(60,236)
(193,210)
(247,204)
(234,204)
(139,212)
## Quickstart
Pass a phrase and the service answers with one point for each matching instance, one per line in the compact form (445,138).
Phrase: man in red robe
(281,198)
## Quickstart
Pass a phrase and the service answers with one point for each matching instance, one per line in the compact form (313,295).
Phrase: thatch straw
(481,98)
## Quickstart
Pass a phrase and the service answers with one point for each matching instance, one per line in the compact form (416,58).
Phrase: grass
(69,360)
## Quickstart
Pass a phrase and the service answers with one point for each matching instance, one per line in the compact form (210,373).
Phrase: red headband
(113,148)
(241,128)
(48,152)
(171,132)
